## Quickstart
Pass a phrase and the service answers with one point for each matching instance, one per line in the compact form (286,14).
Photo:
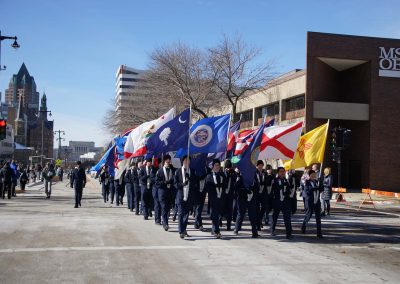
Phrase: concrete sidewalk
(49,241)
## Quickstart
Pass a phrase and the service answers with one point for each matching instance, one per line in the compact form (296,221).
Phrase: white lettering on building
(389,62)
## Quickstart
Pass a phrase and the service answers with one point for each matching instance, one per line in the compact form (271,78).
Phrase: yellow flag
(310,148)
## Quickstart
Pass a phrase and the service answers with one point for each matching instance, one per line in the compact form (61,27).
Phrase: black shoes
(303,229)
(255,236)
(218,235)
(166,227)
(182,236)
(236,232)
(76,206)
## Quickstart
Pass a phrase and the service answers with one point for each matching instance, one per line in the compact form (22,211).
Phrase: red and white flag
(280,142)
(243,141)
(135,143)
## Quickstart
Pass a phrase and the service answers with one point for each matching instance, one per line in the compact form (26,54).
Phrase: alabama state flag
(310,148)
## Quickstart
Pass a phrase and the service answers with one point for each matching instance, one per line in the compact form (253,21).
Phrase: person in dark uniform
(156,202)
(227,206)
(186,183)
(1,180)
(281,202)
(117,191)
(147,178)
(23,179)
(215,186)
(165,184)
(7,173)
(311,194)
(105,183)
(136,187)
(294,182)
(121,192)
(112,186)
(246,201)
(130,194)
(269,196)
(200,197)
(260,193)
(78,182)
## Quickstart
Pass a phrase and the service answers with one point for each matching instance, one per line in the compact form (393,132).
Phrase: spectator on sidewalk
(23,179)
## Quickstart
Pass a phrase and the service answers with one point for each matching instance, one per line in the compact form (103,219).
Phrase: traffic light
(3,129)
(333,140)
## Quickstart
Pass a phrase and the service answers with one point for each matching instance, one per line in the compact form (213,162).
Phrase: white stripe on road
(16,250)
(369,210)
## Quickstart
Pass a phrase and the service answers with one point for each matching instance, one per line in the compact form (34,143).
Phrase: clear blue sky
(73,48)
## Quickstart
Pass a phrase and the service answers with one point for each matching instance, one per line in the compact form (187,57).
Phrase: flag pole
(326,137)
(188,144)
(227,136)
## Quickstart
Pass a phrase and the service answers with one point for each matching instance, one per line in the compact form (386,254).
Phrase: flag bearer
(230,180)
(165,184)
(129,181)
(215,185)
(147,179)
(136,187)
(261,193)
(246,201)
(282,202)
(105,182)
(311,194)
(186,184)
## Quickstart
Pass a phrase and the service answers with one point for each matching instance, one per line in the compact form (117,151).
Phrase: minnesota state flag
(310,148)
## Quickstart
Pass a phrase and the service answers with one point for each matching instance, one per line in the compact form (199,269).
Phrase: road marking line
(17,250)
(371,211)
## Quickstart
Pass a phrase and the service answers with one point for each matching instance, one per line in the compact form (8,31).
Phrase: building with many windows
(352,80)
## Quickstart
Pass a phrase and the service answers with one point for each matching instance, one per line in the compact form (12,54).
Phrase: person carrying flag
(165,185)
(282,196)
(215,185)
(186,183)
(147,179)
(105,182)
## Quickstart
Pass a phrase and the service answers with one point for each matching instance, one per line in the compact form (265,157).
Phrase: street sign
(58,162)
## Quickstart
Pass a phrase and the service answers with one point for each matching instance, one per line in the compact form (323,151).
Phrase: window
(295,103)
(246,116)
(270,110)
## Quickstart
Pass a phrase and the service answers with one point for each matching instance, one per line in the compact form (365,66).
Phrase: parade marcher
(215,185)
(6,173)
(23,179)
(282,202)
(303,180)
(165,184)
(137,189)
(147,178)
(260,193)
(121,188)
(48,175)
(156,202)
(227,206)
(269,198)
(312,190)
(117,191)
(186,184)
(294,184)
(112,187)
(78,182)
(246,201)
(129,181)
(200,198)
(105,183)
(327,193)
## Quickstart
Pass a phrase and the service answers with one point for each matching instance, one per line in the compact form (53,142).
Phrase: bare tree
(234,70)
(180,70)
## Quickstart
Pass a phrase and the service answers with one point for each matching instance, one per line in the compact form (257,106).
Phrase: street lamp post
(14,45)
(43,112)
(59,132)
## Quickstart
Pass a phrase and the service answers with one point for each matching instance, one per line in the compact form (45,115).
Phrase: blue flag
(107,159)
(209,135)
(171,136)
(248,160)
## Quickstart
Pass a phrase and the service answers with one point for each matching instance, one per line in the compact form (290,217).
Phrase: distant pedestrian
(327,193)
(23,179)
(78,182)
(48,174)
(6,173)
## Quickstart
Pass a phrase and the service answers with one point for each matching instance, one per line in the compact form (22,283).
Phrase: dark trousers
(269,207)
(112,192)
(146,201)
(105,190)
(165,200)
(235,208)
(261,208)
(22,185)
(130,195)
(310,210)
(156,205)
(227,209)
(327,206)
(215,212)
(285,207)
(137,197)
(78,194)
(174,202)
(13,185)
(183,211)
(6,189)
(244,205)
(199,205)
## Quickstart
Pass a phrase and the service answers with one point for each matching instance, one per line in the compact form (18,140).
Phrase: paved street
(48,241)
